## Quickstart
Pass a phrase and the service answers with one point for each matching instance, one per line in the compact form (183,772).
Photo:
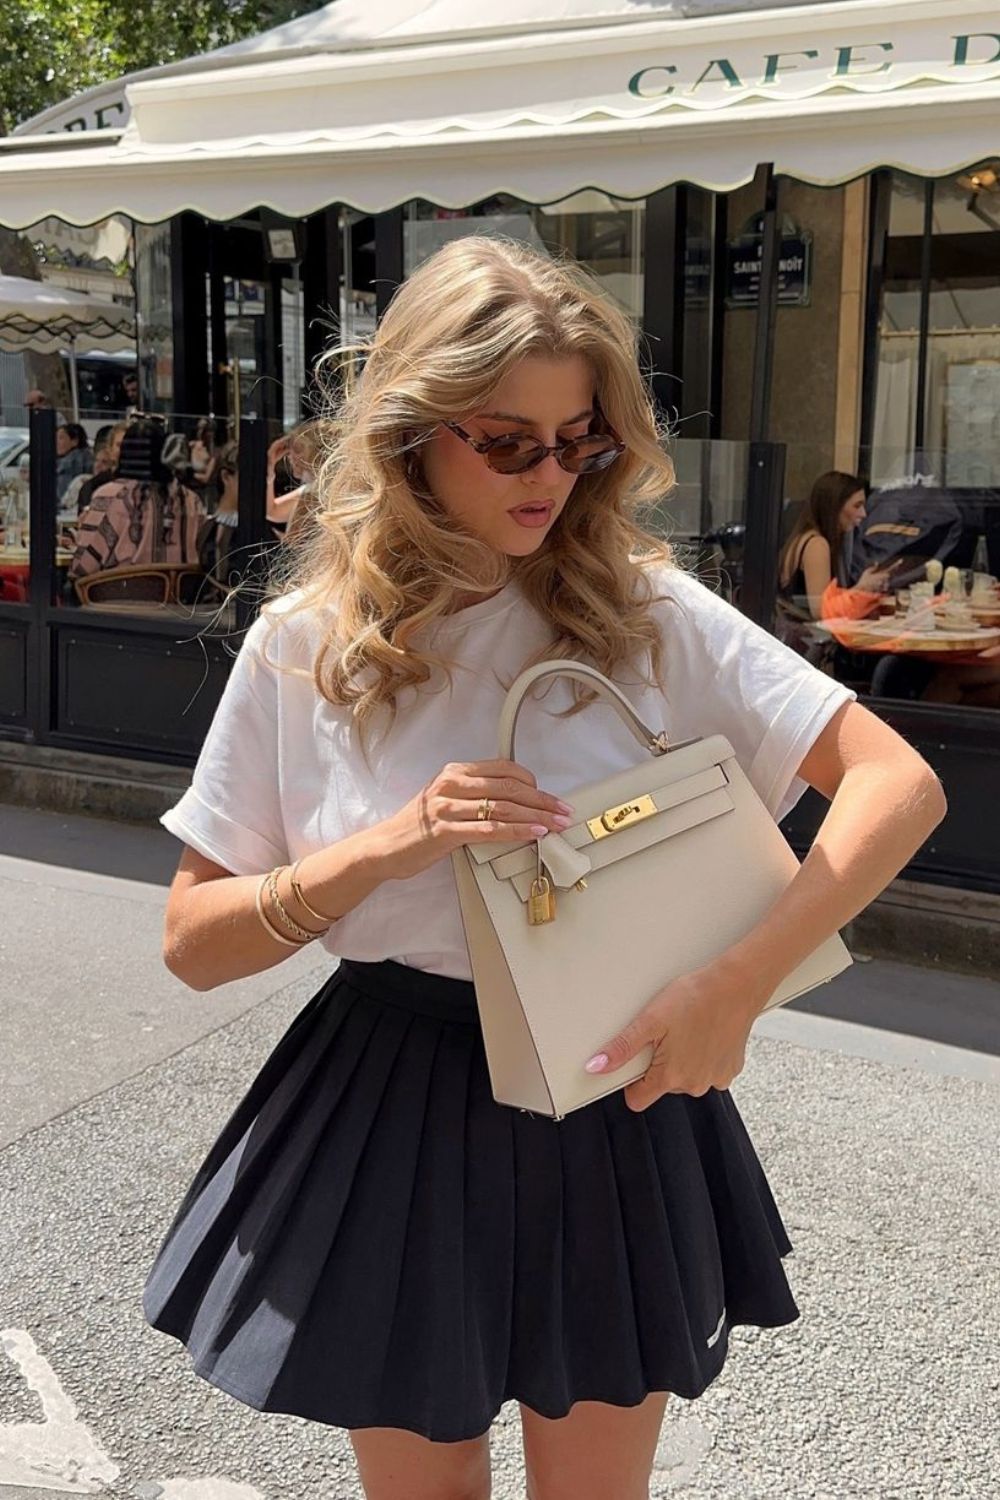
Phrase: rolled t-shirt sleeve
(728,676)
(231,813)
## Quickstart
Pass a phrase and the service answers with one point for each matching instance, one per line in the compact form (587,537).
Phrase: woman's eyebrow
(509,416)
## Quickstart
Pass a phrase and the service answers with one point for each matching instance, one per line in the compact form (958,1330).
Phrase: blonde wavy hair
(383,559)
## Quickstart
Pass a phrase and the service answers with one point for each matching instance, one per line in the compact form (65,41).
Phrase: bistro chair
(154,586)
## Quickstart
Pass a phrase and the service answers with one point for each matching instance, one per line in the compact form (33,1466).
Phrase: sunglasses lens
(512,455)
(588,454)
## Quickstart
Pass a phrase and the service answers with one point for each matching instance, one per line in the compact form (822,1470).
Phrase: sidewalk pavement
(880,1145)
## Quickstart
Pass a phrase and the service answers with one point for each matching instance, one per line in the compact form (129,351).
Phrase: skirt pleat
(373,1241)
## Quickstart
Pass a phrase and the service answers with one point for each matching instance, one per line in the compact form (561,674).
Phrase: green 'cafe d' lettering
(660,79)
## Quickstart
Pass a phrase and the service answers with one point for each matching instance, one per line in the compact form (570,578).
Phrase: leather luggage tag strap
(563,864)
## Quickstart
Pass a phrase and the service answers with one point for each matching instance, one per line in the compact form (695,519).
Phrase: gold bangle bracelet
(285,918)
(266,922)
(297,893)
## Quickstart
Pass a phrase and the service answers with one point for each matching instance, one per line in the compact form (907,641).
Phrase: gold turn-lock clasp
(622,816)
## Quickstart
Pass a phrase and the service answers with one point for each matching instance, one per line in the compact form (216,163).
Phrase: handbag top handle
(655,743)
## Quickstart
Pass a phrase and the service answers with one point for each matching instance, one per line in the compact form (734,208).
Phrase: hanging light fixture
(980,182)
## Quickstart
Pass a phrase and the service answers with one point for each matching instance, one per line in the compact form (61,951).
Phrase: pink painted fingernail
(566,807)
(597,1063)
(539,830)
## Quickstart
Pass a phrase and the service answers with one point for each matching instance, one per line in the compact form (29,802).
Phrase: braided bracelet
(293,876)
(266,922)
(287,921)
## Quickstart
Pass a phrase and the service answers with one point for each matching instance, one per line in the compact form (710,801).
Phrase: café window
(892,587)
(937,400)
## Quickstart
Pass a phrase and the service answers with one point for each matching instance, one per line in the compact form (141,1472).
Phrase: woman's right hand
(874,580)
(444,814)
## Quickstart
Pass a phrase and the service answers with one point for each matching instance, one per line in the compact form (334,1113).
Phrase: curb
(99,786)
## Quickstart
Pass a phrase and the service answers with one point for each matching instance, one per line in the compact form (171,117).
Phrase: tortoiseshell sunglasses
(516,452)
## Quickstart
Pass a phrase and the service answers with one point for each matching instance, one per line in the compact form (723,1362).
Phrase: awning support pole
(74,383)
(767,306)
(923,338)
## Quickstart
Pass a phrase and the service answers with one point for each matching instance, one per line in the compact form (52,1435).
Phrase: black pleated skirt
(373,1241)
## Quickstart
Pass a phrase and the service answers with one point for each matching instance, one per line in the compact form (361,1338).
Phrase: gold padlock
(541,902)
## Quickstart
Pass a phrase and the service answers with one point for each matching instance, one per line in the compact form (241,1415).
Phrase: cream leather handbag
(571,935)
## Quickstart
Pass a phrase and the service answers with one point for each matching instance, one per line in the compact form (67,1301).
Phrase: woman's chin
(527,549)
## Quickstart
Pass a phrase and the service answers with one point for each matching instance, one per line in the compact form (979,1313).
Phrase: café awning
(431,100)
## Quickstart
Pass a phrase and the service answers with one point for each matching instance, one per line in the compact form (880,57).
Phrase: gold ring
(485,810)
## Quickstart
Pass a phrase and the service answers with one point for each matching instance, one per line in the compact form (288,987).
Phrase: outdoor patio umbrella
(37,316)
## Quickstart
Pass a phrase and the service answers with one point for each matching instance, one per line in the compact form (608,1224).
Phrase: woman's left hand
(698,1025)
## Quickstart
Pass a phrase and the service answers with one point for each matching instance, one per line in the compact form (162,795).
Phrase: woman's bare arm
(213,934)
(884,802)
(817,567)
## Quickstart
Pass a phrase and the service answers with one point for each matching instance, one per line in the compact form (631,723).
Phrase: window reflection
(602,233)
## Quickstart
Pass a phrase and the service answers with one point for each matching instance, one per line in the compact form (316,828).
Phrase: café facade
(798,205)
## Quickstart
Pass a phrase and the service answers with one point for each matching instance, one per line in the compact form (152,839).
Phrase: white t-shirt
(281,773)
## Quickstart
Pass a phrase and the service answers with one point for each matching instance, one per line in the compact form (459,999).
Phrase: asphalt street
(875,1108)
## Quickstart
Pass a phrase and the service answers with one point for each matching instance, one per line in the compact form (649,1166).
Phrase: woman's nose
(547,471)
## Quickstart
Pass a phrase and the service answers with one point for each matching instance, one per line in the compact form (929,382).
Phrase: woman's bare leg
(398,1465)
(593,1453)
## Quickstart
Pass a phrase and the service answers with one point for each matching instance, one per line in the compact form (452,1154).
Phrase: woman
(373,1242)
(73,456)
(107,446)
(811,558)
(304,455)
(291,463)
(218,532)
(142,515)
(204,452)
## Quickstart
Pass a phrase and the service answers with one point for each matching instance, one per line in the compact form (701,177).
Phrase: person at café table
(811,587)
(812,558)
(142,515)
(107,444)
(73,456)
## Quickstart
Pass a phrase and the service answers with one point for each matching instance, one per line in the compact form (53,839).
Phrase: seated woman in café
(73,456)
(107,445)
(814,552)
(812,561)
(143,515)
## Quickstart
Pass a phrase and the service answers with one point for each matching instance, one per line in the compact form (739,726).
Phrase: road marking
(59,1453)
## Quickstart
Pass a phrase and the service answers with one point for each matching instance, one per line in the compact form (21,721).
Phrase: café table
(14,570)
(11,556)
(902,638)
